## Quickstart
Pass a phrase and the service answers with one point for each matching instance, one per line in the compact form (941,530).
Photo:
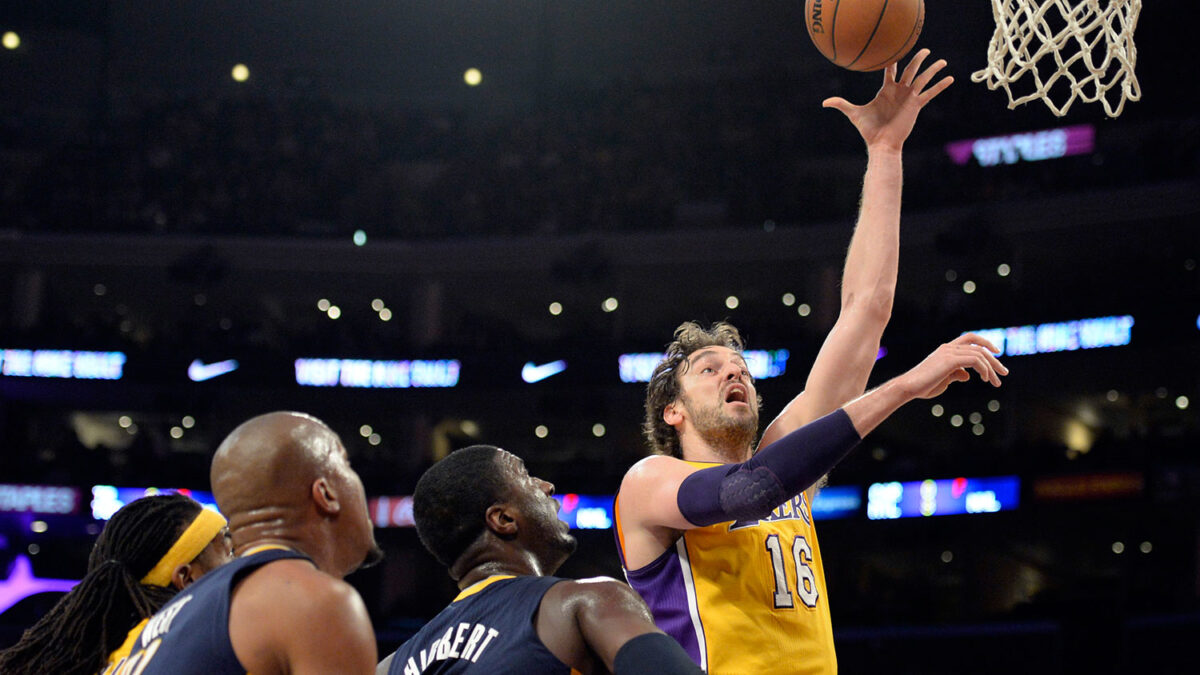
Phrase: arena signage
(954,496)
(1033,146)
(106,499)
(60,363)
(1064,336)
(361,373)
(762,364)
(47,499)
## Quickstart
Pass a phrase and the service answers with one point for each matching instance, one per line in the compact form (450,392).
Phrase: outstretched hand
(888,119)
(951,363)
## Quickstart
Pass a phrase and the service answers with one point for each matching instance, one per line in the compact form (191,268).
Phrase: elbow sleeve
(752,489)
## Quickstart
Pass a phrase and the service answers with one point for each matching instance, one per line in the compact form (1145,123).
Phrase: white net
(1068,49)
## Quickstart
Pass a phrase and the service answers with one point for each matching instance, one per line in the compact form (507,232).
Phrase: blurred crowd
(625,157)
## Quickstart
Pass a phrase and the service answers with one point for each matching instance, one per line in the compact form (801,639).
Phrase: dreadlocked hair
(76,636)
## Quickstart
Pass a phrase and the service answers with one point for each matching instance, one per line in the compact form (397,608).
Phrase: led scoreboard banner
(837,501)
(62,364)
(584,512)
(762,364)
(1061,336)
(362,373)
(1033,146)
(947,497)
(106,499)
(595,512)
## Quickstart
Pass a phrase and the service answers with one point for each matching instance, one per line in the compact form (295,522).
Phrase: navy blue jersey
(487,629)
(190,634)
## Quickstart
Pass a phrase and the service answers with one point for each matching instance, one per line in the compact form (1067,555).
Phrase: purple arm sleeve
(751,490)
(653,654)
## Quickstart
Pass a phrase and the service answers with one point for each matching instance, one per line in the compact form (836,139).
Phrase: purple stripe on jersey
(661,585)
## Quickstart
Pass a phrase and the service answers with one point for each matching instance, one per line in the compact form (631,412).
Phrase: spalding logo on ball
(864,34)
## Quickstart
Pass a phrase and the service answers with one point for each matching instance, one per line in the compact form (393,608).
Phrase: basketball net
(1071,49)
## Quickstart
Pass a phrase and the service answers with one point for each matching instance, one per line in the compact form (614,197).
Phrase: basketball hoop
(1071,49)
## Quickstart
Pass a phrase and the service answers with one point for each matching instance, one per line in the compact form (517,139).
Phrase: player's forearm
(752,489)
(869,277)
(653,654)
(869,410)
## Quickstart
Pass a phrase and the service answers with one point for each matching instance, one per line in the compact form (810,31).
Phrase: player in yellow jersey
(721,546)
(729,560)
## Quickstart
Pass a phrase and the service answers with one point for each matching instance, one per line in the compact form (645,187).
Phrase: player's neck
(696,450)
(482,561)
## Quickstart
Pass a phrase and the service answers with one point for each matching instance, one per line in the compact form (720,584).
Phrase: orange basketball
(864,34)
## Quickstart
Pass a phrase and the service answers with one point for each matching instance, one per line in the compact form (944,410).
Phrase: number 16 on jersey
(801,559)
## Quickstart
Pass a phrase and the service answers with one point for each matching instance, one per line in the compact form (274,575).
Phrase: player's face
(548,537)
(361,530)
(719,397)
(218,552)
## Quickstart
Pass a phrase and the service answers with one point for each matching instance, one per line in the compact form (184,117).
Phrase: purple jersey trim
(662,586)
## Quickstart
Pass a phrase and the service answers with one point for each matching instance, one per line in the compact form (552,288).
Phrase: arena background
(667,156)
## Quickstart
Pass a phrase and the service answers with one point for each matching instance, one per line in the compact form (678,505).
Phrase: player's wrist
(881,149)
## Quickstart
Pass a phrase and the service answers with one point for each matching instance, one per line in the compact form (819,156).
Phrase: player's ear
(183,576)
(673,413)
(325,496)
(501,520)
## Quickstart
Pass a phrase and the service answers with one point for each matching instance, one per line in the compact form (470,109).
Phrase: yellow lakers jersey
(744,598)
(118,657)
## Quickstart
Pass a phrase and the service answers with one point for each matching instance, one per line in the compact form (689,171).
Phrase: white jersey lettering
(458,639)
(451,646)
(472,642)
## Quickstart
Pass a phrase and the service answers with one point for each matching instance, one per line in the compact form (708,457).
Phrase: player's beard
(732,435)
(374,556)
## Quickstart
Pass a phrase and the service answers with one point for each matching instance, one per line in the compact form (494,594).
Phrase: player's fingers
(889,74)
(971,357)
(976,339)
(839,103)
(990,362)
(926,75)
(985,371)
(930,93)
(978,361)
(910,71)
(995,363)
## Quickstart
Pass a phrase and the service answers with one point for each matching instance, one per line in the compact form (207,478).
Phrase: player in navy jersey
(496,529)
(298,515)
(150,549)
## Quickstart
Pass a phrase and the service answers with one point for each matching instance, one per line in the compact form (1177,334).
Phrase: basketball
(864,35)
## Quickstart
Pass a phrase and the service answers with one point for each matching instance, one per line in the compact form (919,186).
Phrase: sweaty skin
(284,480)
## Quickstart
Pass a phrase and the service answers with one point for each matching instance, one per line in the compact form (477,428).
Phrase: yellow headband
(185,549)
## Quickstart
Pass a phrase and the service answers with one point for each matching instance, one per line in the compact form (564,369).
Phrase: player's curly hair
(663,388)
(76,636)
(451,498)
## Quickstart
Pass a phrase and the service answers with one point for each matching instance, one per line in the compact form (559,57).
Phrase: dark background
(668,154)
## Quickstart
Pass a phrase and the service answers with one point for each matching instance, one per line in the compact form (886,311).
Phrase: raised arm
(604,620)
(844,362)
(672,495)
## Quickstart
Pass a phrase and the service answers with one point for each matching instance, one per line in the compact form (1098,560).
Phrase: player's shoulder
(590,590)
(284,601)
(597,598)
(294,583)
(653,467)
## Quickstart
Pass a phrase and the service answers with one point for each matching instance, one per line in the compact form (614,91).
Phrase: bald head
(272,460)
